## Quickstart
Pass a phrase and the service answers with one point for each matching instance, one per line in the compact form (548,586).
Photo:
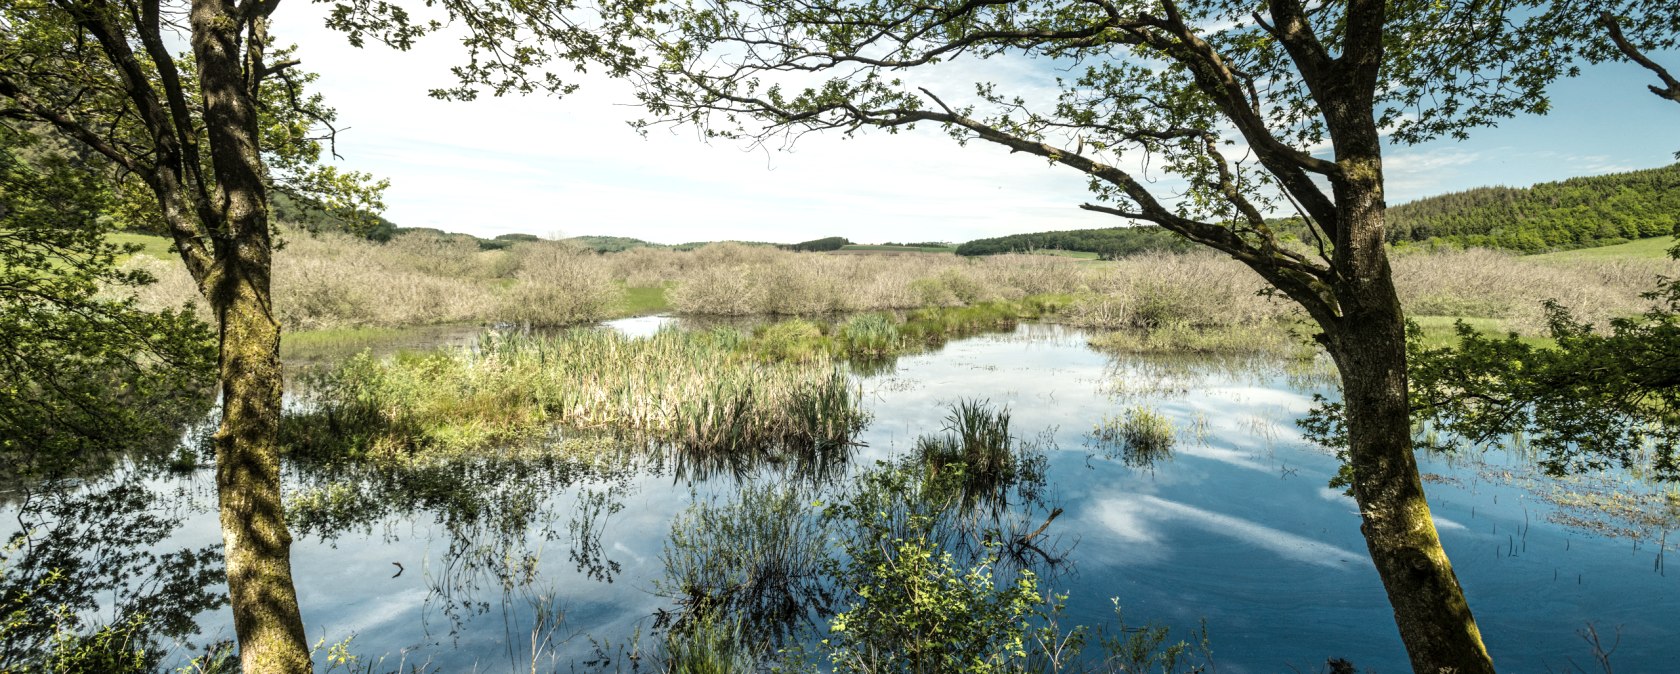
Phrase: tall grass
(691,391)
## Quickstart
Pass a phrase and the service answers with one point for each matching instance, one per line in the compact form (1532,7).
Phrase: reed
(708,646)
(870,335)
(1140,437)
(690,390)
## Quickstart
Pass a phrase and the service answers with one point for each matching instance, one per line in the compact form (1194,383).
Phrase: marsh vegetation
(1159,302)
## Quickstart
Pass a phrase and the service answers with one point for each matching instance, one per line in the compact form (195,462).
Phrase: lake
(466,566)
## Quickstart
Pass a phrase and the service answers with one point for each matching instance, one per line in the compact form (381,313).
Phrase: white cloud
(1140,520)
(543,166)
(574,165)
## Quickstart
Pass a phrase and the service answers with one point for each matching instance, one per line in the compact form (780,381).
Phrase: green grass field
(1652,248)
(862,248)
(155,246)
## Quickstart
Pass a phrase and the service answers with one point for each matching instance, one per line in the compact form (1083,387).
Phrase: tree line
(1574,213)
(1109,244)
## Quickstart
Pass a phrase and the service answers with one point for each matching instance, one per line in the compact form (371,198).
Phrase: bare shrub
(1034,274)
(723,290)
(333,280)
(648,267)
(429,253)
(1489,284)
(173,286)
(557,284)
(1192,290)
(734,254)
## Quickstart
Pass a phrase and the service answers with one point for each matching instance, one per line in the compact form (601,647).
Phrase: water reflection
(92,579)
(542,558)
(772,560)
(496,517)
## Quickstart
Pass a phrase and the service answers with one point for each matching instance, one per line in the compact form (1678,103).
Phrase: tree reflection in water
(89,582)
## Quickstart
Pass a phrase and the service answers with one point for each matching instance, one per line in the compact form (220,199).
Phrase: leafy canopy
(82,369)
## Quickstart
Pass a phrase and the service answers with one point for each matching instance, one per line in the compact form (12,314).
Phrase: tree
(87,376)
(1598,399)
(1237,100)
(199,142)
(1596,31)
(821,245)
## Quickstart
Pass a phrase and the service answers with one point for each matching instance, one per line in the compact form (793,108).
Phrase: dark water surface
(1237,528)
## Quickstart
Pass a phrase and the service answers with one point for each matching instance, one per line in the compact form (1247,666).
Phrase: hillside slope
(1574,213)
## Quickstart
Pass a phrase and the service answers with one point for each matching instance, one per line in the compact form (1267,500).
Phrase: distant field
(1083,255)
(896,250)
(155,246)
(1652,248)
(857,249)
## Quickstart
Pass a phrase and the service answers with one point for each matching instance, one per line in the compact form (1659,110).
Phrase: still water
(1238,528)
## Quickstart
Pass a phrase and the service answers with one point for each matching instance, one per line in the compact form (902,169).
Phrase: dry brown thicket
(332,281)
(1490,284)
(555,284)
(336,281)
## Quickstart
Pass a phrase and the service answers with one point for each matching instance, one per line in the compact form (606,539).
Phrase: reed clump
(1140,437)
(694,391)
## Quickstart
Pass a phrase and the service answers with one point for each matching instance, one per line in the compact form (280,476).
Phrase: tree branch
(1671,86)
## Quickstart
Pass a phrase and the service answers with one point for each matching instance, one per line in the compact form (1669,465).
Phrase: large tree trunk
(1368,343)
(1429,606)
(256,544)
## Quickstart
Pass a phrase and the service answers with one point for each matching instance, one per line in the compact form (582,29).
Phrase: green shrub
(918,612)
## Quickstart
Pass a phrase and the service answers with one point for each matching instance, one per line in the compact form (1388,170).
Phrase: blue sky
(573,166)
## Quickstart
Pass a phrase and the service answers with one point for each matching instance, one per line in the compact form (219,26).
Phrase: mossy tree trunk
(256,543)
(193,135)
(1368,343)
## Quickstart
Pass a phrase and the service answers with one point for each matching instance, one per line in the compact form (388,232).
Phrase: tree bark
(256,544)
(1368,343)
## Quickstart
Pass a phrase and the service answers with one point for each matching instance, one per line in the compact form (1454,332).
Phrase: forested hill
(1111,243)
(1574,213)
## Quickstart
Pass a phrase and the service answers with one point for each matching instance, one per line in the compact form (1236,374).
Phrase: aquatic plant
(873,334)
(690,390)
(1140,437)
(758,563)
(708,645)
